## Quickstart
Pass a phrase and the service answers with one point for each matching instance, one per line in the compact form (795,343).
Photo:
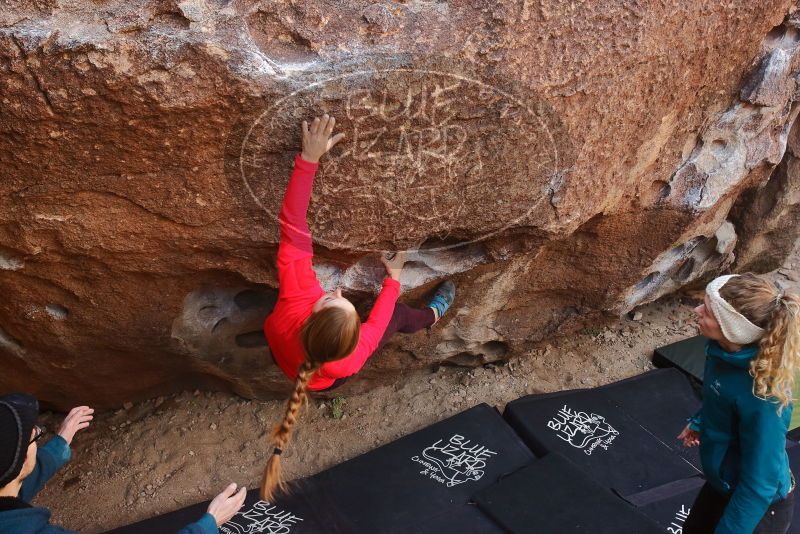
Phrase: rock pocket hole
(659,191)
(647,280)
(219,324)
(173,19)
(685,270)
(719,147)
(464,359)
(489,352)
(496,350)
(223,326)
(278,39)
(251,339)
(251,298)
(56,311)
(776,34)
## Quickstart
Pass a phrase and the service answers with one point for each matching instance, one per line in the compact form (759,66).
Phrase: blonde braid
(273,475)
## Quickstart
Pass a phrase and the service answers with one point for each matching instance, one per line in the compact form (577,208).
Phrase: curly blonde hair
(778,313)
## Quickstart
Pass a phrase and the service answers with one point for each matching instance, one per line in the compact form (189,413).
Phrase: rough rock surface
(555,159)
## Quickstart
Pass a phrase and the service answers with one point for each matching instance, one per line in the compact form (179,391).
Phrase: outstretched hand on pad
(689,437)
(227,504)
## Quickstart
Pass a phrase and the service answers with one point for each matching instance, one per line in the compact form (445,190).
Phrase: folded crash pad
(688,355)
(419,483)
(623,435)
(669,505)
(552,494)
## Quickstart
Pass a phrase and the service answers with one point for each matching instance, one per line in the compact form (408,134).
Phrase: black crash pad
(669,505)
(623,434)
(793,451)
(688,355)
(421,478)
(294,516)
(290,514)
(554,495)
(420,483)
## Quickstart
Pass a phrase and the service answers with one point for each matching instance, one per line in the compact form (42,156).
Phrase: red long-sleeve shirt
(300,290)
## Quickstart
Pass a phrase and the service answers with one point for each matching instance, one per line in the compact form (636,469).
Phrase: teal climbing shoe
(443,298)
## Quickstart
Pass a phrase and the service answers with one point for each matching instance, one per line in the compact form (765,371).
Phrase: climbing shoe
(443,298)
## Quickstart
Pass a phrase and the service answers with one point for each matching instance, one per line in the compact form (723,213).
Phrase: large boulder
(555,159)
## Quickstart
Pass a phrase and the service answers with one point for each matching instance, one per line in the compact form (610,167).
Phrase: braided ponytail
(328,335)
(273,475)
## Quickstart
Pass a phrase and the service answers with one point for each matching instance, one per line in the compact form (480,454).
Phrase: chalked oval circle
(427,154)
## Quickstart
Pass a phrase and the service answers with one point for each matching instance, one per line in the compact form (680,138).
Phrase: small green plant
(337,407)
(590,331)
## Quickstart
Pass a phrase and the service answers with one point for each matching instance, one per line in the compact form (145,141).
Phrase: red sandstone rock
(583,157)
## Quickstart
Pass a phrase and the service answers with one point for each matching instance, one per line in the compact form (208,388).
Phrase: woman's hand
(227,504)
(393,261)
(689,437)
(317,138)
(77,419)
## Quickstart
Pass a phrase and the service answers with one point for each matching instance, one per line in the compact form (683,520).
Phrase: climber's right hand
(393,262)
(317,138)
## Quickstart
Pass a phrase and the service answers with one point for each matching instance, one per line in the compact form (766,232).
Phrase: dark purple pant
(405,320)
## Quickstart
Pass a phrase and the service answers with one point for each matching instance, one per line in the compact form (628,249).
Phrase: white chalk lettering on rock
(420,148)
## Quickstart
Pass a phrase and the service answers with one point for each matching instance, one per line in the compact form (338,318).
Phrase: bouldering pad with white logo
(420,483)
(554,495)
(289,515)
(622,435)
(413,483)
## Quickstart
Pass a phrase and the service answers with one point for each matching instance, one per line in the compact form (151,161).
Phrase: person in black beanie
(25,468)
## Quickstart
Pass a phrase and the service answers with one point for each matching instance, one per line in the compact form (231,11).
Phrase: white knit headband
(735,327)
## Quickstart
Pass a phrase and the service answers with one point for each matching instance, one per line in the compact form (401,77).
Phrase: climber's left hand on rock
(317,138)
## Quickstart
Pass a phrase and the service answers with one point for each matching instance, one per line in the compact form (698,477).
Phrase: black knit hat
(18,413)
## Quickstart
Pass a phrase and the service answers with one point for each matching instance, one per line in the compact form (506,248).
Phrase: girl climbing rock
(317,338)
(751,358)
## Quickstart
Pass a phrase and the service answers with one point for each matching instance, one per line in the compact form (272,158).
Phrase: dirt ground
(169,452)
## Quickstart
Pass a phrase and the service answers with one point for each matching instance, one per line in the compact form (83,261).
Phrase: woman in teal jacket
(751,357)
